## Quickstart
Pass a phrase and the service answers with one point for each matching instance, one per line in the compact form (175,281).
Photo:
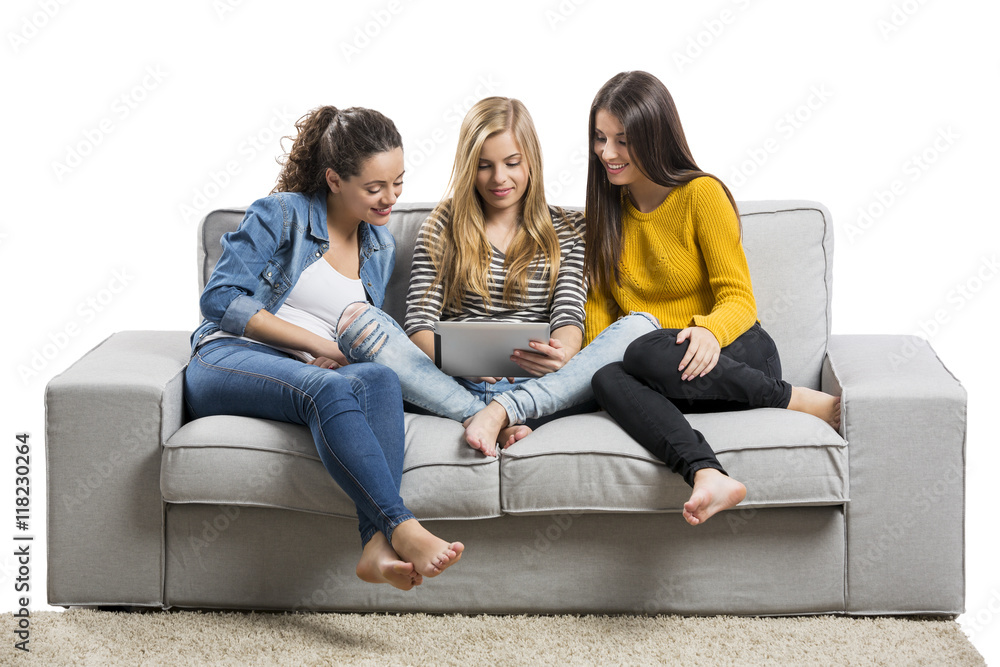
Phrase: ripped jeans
(374,336)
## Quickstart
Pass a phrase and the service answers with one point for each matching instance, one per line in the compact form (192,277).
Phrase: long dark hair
(339,139)
(656,146)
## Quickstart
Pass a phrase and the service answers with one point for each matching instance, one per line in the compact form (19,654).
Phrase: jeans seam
(371,501)
(368,535)
(655,427)
(639,408)
(393,525)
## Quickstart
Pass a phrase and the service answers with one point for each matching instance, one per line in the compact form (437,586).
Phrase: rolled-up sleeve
(230,297)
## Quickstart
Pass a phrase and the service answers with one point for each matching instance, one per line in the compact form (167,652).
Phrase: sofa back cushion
(789,247)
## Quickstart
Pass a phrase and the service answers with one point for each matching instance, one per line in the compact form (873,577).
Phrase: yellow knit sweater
(683,263)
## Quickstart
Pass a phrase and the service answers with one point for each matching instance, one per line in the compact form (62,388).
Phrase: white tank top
(315,303)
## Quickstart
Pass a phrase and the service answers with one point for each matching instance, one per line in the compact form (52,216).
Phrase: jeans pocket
(768,351)
(774,366)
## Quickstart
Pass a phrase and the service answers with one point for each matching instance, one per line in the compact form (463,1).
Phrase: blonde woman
(493,250)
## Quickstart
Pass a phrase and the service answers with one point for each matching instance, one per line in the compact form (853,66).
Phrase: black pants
(646,396)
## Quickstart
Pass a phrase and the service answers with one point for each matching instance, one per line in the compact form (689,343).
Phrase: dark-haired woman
(267,346)
(664,237)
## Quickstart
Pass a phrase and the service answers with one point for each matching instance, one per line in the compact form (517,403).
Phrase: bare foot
(713,492)
(816,403)
(379,564)
(429,554)
(483,428)
(512,434)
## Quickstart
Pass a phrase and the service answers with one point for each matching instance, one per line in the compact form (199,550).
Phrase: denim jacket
(261,261)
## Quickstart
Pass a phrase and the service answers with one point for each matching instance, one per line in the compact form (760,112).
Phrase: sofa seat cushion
(588,464)
(232,460)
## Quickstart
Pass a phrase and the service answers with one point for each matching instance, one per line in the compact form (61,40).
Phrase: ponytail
(331,138)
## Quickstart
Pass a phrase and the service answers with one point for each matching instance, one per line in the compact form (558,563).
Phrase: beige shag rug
(88,637)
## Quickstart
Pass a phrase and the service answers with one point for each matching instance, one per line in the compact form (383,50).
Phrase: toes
(478,445)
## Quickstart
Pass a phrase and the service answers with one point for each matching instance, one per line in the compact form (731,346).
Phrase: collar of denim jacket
(317,217)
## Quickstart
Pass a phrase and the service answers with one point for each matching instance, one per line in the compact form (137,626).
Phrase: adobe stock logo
(215,182)
(913,169)
(787,126)
(86,312)
(899,16)
(225,7)
(122,107)
(370,30)
(711,31)
(34,23)
(560,13)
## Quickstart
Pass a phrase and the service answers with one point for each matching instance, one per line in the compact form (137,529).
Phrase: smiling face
(502,173)
(369,196)
(611,147)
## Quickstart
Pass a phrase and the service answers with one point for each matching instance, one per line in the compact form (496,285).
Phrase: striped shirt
(563,306)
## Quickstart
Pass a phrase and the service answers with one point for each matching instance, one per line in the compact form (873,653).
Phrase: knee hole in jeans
(351,313)
(367,331)
(379,342)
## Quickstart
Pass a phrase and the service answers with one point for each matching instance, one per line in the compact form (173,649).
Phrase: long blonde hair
(462,255)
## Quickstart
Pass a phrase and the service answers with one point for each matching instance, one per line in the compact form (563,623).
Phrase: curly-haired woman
(267,346)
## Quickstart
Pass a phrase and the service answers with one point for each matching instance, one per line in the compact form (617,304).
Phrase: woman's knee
(360,331)
(349,314)
(654,352)
(643,319)
(606,383)
(376,387)
(382,375)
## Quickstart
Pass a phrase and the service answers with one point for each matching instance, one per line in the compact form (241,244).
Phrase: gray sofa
(146,508)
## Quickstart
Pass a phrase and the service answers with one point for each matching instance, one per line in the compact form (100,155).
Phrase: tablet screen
(478,349)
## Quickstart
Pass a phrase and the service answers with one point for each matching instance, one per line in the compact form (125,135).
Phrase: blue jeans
(571,384)
(376,337)
(355,415)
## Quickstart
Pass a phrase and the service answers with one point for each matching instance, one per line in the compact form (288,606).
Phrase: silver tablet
(483,349)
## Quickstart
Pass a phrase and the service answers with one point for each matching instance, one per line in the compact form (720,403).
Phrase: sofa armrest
(106,418)
(904,418)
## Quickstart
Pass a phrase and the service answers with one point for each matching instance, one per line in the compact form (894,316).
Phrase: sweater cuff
(712,325)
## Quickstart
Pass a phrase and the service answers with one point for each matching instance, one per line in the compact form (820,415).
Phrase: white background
(123,123)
